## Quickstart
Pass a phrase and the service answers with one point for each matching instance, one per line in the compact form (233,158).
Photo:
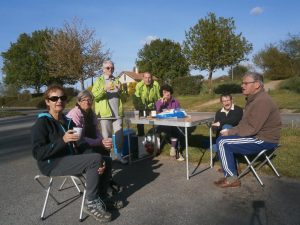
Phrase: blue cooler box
(126,132)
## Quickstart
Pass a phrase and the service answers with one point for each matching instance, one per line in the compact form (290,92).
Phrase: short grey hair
(256,77)
(84,94)
(107,62)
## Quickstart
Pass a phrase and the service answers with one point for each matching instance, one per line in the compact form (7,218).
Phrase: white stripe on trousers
(233,141)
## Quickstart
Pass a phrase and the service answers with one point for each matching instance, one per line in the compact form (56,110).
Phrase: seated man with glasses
(259,129)
(109,95)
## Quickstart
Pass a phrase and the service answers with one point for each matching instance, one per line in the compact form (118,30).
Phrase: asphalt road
(156,192)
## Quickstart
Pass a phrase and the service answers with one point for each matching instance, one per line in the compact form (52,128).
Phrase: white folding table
(190,121)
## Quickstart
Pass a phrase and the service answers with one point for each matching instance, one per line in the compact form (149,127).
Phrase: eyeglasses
(246,83)
(55,98)
(109,68)
(86,100)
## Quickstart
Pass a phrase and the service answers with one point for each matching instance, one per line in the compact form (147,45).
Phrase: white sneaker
(180,158)
(172,152)
(121,160)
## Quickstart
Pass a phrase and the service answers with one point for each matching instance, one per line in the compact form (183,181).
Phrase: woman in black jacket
(57,149)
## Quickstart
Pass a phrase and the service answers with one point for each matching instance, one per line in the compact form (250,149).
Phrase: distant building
(130,79)
(126,77)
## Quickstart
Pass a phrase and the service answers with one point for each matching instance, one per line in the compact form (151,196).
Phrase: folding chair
(48,187)
(266,155)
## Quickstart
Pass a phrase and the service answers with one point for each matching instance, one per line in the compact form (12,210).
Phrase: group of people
(247,131)
(60,151)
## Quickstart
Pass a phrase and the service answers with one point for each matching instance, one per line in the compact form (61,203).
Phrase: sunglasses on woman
(55,98)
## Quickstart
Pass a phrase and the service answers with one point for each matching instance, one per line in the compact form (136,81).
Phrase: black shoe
(112,204)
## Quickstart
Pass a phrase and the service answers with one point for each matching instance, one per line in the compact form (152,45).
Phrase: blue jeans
(214,146)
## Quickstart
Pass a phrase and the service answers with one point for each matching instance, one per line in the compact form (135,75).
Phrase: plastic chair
(266,155)
(47,187)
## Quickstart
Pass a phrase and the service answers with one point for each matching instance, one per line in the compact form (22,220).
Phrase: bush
(291,84)
(189,85)
(230,88)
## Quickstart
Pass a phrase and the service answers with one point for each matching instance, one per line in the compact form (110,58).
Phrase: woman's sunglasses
(55,98)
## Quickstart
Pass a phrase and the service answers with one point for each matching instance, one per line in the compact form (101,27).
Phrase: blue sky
(125,26)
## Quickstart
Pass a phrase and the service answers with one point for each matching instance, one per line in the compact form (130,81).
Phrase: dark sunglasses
(109,68)
(55,98)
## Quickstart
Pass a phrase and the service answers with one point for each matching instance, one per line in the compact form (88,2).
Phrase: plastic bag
(172,113)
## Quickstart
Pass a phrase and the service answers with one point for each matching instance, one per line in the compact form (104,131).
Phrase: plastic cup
(112,86)
(77,130)
(136,114)
(153,113)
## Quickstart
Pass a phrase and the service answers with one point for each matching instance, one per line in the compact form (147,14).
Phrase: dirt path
(272,85)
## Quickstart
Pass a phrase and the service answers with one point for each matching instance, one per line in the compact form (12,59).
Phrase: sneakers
(121,159)
(172,152)
(97,209)
(180,157)
(112,204)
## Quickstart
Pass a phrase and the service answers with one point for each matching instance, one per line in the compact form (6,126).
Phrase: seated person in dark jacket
(226,117)
(58,151)
(166,102)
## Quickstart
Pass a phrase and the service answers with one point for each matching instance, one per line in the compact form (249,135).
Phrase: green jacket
(146,96)
(102,108)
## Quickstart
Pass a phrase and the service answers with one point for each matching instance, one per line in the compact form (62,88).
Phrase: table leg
(187,153)
(210,147)
(129,149)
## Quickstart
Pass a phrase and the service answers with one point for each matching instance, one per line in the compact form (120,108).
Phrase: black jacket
(48,144)
(233,118)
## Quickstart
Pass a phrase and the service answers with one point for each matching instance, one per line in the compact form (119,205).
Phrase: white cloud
(256,10)
(148,39)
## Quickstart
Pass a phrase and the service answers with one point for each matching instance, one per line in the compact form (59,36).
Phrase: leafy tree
(291,47)
(74,53)
(212,44)
(1,89)
(274,63)
(24,63)
(237,72)
(164,59)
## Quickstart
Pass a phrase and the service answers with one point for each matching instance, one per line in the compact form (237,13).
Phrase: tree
(274,63)
(212,44)
(25,62)
(163,58)
(291,47)
(74,53)
(237,72)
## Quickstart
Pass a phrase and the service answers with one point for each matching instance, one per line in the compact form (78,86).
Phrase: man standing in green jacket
(108,95)
(146,94)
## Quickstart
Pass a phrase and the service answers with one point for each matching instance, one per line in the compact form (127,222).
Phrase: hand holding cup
(224,132)
(70,136)
(107,143)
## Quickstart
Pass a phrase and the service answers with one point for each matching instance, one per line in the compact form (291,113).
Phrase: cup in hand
(77,130)
(107,142)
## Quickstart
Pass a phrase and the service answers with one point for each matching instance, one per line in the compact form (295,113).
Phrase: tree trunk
(210,81)
(82,83)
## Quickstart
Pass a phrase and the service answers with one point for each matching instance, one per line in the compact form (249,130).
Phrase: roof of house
(135,76)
